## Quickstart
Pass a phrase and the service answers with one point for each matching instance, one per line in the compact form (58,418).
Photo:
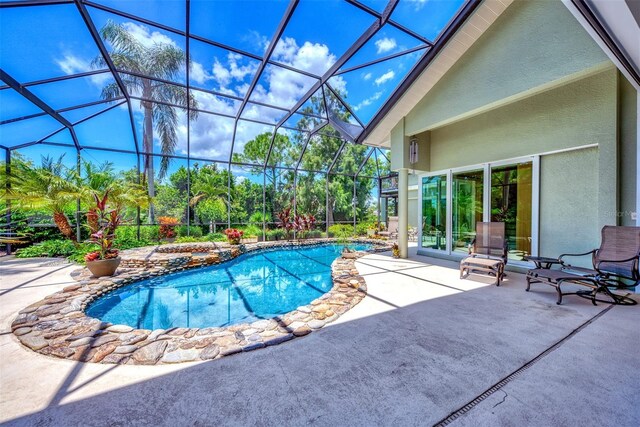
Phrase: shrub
(341,231)
(57,248)
(195,231)
(216,237)
(362,227)
(48,248)
(189,239)
(277,234)
(150,233)
(251,231)
(167,227)
(189,231)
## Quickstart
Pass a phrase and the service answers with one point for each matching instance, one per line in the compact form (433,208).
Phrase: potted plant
(372,230)
(168,228)
(233,235)
(396,250)
(103,224)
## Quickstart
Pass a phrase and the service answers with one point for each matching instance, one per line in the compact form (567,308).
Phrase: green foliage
(277,234)
(341,231)
(251,231)
(189,231)
(256,218)
(362,227)
(48,248)
(150,233)
(216,237)
(190,239)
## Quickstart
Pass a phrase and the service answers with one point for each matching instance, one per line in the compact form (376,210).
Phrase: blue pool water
(254,286)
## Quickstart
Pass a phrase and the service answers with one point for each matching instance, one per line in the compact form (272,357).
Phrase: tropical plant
(149,65)
(167,227)
(103,223)
(233,235)
(210,200)
(284,220)
(50,187)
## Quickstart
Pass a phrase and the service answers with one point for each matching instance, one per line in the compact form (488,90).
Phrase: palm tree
(98,179)
(207,189)
(51,187)
(159,61)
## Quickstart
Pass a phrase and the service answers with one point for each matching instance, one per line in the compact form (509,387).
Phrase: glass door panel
(511,203)
(434,212)
(467,200)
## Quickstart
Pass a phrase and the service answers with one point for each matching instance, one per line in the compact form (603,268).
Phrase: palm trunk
(62,222)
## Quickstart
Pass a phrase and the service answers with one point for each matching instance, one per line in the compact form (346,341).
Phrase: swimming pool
(254,286)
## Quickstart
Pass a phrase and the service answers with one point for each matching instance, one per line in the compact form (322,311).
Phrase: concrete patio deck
(422,345)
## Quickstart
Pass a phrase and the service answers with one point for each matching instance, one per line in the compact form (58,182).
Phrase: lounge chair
(487,252)
(615,264)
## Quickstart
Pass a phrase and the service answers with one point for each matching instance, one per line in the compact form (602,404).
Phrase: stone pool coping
(58,326)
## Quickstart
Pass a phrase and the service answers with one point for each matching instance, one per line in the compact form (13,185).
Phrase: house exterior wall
(536,83)
(531,44)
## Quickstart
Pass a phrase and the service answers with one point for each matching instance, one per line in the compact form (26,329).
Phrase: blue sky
(51,41)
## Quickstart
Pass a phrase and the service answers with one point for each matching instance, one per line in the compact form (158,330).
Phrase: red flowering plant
(233,235)
(102,224)
(167,227)
(284,221)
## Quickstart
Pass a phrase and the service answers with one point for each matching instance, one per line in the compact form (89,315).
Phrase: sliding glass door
(434,212)
(454,201)
(511,203)
(467,200)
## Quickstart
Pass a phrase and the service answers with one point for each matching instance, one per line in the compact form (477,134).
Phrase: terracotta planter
(234,241)
(103,267)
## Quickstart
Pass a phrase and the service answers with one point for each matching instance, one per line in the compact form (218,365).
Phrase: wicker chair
(487,252)
(615,264)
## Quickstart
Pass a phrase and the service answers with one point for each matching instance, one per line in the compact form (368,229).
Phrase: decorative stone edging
(57,325)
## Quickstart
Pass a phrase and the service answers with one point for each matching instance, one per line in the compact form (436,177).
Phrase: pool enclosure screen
(227,112)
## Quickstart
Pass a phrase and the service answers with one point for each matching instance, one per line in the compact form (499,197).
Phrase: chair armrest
(591,252)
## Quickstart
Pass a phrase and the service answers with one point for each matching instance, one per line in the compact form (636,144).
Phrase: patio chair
(615,264)
(487,252)
(392,228)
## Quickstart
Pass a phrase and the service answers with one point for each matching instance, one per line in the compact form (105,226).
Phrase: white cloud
(418,4)
(367,101)
(146,37)
(385,77)
(366,77)
(385,45)
(198,73)
(71,64)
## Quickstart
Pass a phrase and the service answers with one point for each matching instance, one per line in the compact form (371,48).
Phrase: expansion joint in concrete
(504,381)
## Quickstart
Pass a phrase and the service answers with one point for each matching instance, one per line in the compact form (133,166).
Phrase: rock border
(58,326)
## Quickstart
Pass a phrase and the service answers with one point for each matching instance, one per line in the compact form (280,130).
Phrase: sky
(42,42)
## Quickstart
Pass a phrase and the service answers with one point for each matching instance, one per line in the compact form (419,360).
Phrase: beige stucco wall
(531,44)
(577,114)
(568,203)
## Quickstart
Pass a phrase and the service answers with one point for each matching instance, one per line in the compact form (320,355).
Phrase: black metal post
(7,166)
(78,231)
